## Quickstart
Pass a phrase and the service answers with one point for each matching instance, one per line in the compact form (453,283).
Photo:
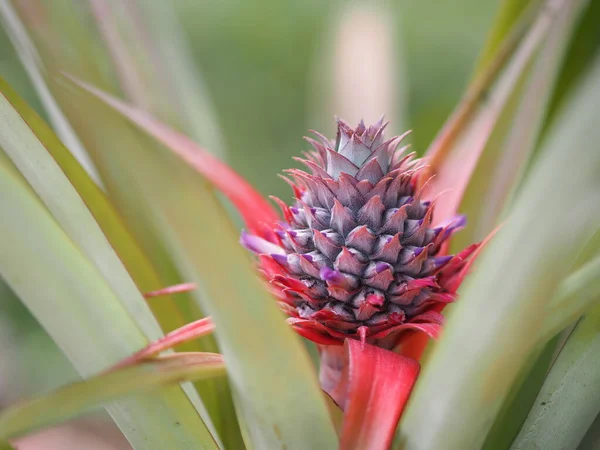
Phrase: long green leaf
(143,273)
(27,54)
(583,48)
(71,401)
(154,65)
(73,302)
(522,395)
(36,164)
(68,42)
(31,156)
(570,399)
(180,204)
(509,12)
(575,296)
(496,324)
(456,151)
(506,154)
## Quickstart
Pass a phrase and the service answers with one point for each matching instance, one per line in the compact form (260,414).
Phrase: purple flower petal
(259,245)
(441,260)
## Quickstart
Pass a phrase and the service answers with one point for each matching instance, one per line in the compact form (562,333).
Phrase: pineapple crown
(356,256)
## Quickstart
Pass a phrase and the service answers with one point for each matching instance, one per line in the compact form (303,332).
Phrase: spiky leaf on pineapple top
(356,256)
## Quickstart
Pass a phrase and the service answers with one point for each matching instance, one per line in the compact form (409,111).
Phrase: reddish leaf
(253,207)
(181,335)
(379,383)
(175,289)
(455,152)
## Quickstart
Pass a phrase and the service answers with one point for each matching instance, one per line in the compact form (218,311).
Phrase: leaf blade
(255,210)
(379,383)
(73,400)
(565,408)
(67,282)
(484,321)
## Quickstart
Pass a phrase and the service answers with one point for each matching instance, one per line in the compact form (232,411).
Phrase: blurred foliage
(257,57)
(584,46)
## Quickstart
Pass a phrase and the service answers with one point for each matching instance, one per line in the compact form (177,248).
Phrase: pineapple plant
(357,256)
(118,246)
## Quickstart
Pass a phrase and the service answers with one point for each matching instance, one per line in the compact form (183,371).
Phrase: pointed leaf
(35,151)
(182,335)
(519,272)
(379,383)
(43,163)
(522,396)
(53,157)
(414,344)
(26,51)
(569,400)
(510,147)
(29,155)
(73,400)
(155,66)
(509,12)
(68,289)
(454,166)
(68,42)
(175,289)
(253,207)
(576,294)
(443,143)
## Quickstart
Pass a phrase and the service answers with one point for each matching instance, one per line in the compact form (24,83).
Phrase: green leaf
(21,140)
(577,293)
(509,13)
(569,400)
(335,412)
(37,165)
(510,147)
(69,297)
(143,273)
(71,401)
(79,50)
(155,68)
(26,52)
(497,322)
(591,441)
(574,297)
(581,54)
(276,372)
(521,397)
(454,154)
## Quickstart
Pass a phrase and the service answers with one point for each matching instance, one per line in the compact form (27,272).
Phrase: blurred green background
(263,66)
